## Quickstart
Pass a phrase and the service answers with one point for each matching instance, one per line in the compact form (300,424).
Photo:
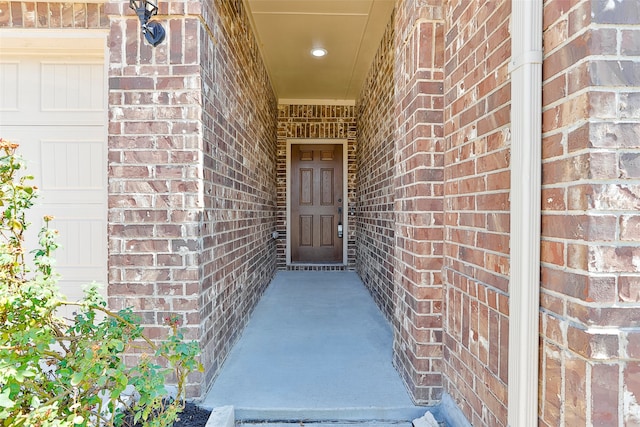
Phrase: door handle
(340,233)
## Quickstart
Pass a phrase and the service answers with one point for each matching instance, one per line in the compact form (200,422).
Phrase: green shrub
(71,372)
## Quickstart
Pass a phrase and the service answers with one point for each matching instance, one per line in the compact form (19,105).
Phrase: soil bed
(192,416)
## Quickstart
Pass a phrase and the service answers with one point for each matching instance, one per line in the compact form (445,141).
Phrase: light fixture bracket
(152,31)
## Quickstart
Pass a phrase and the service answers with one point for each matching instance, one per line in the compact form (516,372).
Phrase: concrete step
(324,424)
(342,423)
(389,414)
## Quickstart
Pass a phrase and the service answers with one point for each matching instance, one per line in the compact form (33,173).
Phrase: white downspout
(526,142)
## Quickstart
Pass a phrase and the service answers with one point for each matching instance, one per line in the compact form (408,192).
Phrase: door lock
(339,220)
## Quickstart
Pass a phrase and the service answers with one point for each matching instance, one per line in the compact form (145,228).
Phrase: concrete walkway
(316,348)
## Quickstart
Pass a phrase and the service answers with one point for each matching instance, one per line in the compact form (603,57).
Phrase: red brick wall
(400,190)
(314,122)
(23,14)
(239,147)
(476,266)
(192,174)
(155,212)
(590,353)
(419,190)
(375,242)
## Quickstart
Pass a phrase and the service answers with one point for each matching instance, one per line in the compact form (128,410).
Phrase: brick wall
(590,353)
(23,14)
(418,195)
(155,208)
(314,122)
(375,224)
(239,162)
(400,190)
(476,266)
(192,174)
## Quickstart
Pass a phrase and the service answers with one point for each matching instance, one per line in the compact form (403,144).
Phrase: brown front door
(317,222)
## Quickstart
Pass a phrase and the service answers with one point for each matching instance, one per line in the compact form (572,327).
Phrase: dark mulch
(192,416)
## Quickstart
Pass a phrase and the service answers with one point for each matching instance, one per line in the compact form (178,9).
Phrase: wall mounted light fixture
(153,31)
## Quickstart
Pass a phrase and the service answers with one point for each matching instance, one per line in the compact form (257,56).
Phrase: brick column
(418,182)
(192,156)
(590,354)
(155,177)
(477,206)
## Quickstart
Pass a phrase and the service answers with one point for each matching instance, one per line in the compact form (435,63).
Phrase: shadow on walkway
(316,348)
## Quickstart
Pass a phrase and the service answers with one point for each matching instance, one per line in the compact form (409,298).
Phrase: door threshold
(306,266)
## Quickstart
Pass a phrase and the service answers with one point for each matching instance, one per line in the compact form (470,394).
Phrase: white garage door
(54,105)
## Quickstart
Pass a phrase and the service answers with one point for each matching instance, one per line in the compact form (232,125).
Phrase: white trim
(66,42)
(53,33)
(526,142)
(286,101)
(345,201)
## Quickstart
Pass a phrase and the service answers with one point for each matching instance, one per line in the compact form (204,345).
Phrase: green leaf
(35,402)
(77,378)
(118,345)
(5,400)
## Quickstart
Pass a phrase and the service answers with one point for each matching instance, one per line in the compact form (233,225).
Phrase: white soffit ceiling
(350,31)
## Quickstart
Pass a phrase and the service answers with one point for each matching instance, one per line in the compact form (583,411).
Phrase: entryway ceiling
(349,30)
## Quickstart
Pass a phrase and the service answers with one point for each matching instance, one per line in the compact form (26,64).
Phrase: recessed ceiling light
(318,52)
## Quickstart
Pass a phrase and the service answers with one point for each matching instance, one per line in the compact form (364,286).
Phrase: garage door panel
(71,87)
(82,243)
(72,164)
(9,72)
(45,92)
(68,162)
(82,236)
